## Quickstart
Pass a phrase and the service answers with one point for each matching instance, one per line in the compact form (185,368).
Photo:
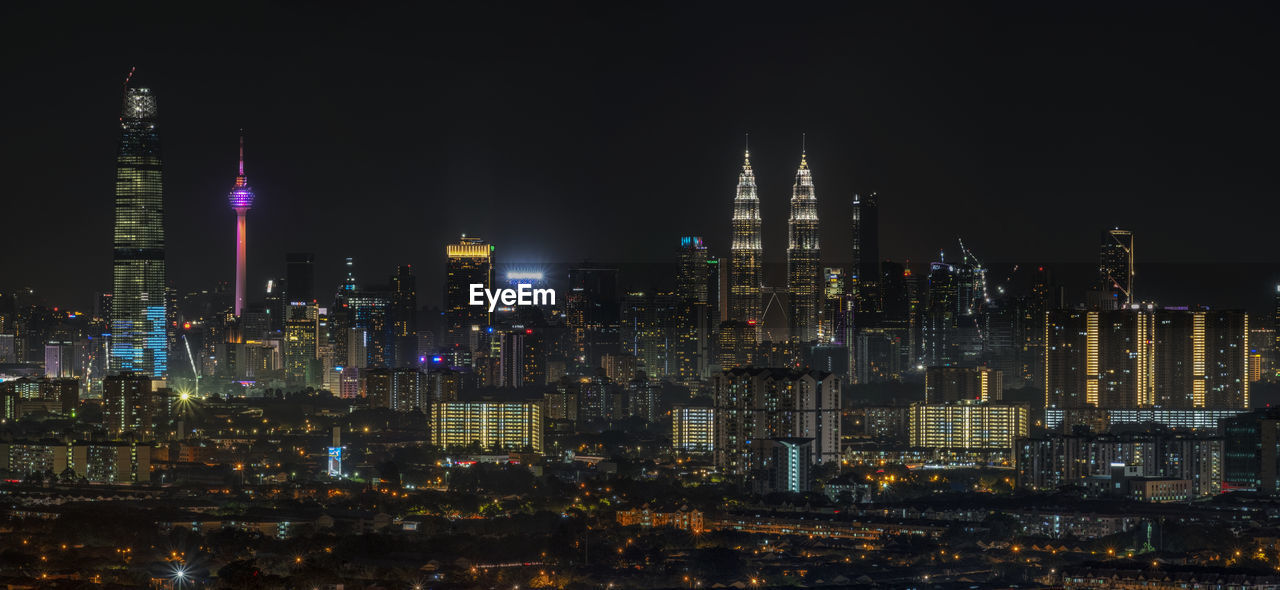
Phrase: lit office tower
(746,269)
(692,276)
(301,331)
(241,199)
(866,253)
(1115,267)
(139,339)
(803,256)
(470,262)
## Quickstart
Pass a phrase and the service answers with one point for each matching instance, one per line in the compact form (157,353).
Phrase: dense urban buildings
(630,381)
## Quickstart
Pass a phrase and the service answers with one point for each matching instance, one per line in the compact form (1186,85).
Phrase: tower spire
(242,152)
(803,164)
(746,154)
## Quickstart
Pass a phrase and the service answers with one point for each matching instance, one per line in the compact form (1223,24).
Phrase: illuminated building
(1115,269)
(693,428)
(865,273)
(593,312)
(444,385)
(56,395)
(746,266)
(369,328)
(803,257)
(1147,358)
(61,359)
(966,424)
(1251,452)
(643,398)
(520,358)
(737,344)
(949,384)
(301,336)
(682,519)
(129,405)
(753,405)
(470,262)
(95,462)
(241,199)
(139,322)
(1053,461)
(656,332)
(691,274)
(561,404)
(510,425)
(619,368)
(401,390)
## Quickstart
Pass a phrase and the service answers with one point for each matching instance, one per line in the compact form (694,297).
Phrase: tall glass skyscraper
(139,339)
(803,256)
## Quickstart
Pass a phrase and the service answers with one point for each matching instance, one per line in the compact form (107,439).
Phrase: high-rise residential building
(693,428)
(470,262)
(300,276)
(1048,462)
(402,390)
(967,424)
(865,275)
(1115,268)
(757,405)
(139,323)
(241,199)
(803,257)
(948,384)
(61,359)
(509,425)
(746,263)
(1147,358)
(129,405)
(403,316)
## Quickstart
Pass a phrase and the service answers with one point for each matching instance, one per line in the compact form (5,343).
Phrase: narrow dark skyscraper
(866,253)
(139,339)
(803,256)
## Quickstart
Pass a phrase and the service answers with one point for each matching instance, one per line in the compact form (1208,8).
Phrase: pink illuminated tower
(241,198)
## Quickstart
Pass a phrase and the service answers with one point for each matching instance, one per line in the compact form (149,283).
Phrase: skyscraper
(241,199)
(866,253)
(139,340)
(692,276)
(404,316)
(803,256)
(746,269)
(470,261)
(1115,267)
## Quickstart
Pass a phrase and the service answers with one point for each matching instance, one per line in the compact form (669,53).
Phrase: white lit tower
(241,199)
(746,269)
(803,259)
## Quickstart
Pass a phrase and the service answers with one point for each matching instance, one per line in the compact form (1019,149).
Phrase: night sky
(606,130)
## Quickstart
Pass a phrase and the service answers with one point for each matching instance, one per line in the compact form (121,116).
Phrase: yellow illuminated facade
(693,428)
(510,425)
(967,425)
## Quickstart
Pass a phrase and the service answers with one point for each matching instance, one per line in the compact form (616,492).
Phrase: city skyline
(439,173)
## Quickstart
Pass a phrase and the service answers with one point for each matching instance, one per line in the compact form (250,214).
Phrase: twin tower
(746,271)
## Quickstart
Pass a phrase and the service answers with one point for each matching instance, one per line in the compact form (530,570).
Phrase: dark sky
(606,130)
